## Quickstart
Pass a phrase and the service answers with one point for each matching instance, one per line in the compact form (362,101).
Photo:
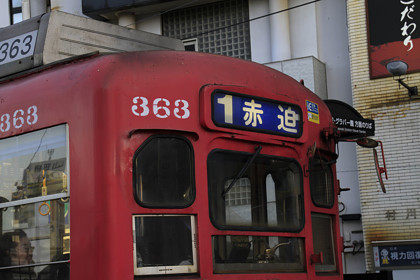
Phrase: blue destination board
(244,112)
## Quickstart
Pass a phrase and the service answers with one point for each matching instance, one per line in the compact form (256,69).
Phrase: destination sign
(244,112)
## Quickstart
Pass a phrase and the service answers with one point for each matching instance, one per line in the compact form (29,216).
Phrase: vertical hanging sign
(394,34)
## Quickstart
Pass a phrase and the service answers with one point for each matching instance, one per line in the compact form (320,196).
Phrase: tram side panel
(67,96)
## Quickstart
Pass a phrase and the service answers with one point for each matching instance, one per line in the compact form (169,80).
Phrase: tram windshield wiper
(243,170)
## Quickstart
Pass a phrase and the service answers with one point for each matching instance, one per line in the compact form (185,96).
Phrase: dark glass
(322,232)
(244,254)
(321,183)
(164,173)
(163,241)
(35,239)
(268,196)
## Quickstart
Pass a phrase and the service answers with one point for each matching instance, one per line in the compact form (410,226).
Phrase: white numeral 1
(227,102)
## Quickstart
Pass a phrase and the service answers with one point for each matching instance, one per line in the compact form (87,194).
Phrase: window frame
(63,197)
(238,260)
(321,268)
(192,170)
(13,11)
(167,269)
(267,227)
(191,42)
(327,172)
(47,197)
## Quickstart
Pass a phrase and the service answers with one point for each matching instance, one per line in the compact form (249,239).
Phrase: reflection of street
(29,238)
(50,173)
(34,212)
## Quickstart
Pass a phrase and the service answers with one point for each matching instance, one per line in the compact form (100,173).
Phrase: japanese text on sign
(313,112)
(251,113)
(352,123)
(408,22)
(397,255)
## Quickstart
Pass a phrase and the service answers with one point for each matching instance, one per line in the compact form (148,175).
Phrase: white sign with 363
(18,47)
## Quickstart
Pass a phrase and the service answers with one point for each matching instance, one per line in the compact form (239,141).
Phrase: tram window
(322,233)
(164,244)
(34,205)
(242,253)
(321,183)
(269,195)
(30,161)
(164,172)
(29,238)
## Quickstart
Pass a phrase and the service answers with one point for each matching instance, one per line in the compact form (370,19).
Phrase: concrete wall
(4,13)
(308,69)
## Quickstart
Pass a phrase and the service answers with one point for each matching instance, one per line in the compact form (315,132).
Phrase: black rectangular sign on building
(393,33)
(396,256)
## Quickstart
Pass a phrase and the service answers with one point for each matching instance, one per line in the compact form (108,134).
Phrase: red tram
(166,165)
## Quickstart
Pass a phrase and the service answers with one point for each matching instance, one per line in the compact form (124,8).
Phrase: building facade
(390,220)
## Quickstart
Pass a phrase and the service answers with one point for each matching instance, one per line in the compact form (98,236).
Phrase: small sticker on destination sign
(313,112)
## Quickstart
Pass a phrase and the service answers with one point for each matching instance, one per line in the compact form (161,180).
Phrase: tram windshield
(34,205)
(268,195)
(258,193)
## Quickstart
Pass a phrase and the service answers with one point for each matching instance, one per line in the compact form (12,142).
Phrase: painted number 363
(161,108)
(18,119)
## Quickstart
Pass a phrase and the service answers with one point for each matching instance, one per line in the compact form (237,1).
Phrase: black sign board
(349,122)
(394,34)
(396,256)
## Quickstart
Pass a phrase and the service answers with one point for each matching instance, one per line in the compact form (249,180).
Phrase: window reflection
(34,205)
(16,11)
(164,244)
(268,196)
(243,253)
(164,172)
(321,183)
(322,232)
(33,164)
(30,238)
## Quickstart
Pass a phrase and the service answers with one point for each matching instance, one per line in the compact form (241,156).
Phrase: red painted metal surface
(95,97)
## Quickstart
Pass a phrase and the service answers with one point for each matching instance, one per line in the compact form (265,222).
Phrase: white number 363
(18,119)
(161,108)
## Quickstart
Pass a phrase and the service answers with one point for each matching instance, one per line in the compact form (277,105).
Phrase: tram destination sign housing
(57,35)
(244,112)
